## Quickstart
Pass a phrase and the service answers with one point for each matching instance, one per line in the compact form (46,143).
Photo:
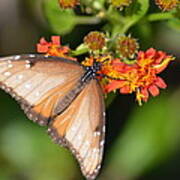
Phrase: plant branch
(160,16)
(88,19)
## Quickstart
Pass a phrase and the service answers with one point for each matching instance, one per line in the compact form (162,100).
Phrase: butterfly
(66,97)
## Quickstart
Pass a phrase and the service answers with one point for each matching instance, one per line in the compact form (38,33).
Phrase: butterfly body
(64,96)
(91,72)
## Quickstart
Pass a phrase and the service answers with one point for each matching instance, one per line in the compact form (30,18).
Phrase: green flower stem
(116,20)
(122,28)
(113,16)
(160,16)
(88,19)
(81,49)
(127,26)
(79,52)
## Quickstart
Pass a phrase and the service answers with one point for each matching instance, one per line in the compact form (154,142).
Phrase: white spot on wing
(98,167)
(20,76)
(17,57)
(79,137)
(10,65)
(102,143)
(27,66)
(8,89)
(27,86)
(31,55)
(7,73)
(87,143)
(73,129)
(28,62)
(104,129)
(97,133)
(95,150)
(37,93)
(3,87)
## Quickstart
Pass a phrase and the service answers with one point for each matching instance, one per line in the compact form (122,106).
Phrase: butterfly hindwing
(39,83)
(81,128)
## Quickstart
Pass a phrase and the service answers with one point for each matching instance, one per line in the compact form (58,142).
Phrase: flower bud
(167,5)
(126,46)
(95,40)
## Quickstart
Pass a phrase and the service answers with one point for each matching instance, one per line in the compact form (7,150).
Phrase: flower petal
(160,55)
(56,40)
(153,89)
(113,85)
(42,48)
(145,94)
(150,53)
(160,83)
(43,41)
(125,90)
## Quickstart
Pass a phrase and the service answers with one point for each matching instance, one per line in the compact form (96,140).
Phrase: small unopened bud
(126,46)
(167,5)
(95,40)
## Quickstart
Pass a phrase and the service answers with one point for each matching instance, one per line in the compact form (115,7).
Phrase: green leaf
(174,24)
(61,21)
(150,136)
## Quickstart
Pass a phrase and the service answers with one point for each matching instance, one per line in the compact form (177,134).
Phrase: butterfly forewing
(39,82)
(52,92)
(81,128)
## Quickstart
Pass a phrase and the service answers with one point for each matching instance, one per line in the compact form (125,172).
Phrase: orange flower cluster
(139,76)
(53,48)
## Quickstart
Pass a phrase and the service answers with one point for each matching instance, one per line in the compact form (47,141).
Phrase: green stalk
(160,16)
(88,19)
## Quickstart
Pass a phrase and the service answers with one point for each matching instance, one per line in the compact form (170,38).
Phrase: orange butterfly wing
(50,89)
(39,83)
(81,127)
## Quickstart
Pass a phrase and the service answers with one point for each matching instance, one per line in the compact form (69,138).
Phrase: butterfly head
(94,66)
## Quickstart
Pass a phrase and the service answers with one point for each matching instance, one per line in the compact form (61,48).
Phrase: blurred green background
(142,142)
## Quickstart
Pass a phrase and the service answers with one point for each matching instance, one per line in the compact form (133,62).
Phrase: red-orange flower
(141,76)
(53,48)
